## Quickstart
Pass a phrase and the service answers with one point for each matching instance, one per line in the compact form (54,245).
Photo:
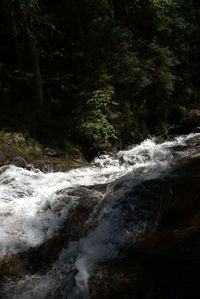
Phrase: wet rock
(53,152)
(73,228)
(197,130)
(10,265)
(166,263)
(18,161)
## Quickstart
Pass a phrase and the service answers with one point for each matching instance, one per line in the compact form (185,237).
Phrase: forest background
(98,74)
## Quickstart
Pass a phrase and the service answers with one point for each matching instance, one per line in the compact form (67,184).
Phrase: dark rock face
(166,264)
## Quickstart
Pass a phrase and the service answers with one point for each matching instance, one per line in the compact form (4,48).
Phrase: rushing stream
(92,212)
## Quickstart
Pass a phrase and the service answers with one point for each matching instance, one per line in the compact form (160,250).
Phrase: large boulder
(165,264)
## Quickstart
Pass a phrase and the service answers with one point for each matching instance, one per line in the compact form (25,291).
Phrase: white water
(34,207)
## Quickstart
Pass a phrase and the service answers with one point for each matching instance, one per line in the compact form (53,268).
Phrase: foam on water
(32,210)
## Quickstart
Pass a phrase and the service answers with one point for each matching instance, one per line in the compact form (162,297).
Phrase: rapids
(122,193)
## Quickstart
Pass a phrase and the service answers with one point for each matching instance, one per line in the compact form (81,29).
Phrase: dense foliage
(98,71)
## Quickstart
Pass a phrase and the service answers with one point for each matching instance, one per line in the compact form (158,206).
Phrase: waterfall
(121,196)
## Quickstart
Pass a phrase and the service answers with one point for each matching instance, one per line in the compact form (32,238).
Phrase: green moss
(19,141)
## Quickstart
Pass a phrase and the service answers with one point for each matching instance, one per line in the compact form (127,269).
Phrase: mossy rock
(22,151)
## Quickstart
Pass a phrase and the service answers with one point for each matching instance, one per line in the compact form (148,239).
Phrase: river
(93,213)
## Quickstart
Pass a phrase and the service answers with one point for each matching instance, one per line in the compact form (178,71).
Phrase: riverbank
(22,151)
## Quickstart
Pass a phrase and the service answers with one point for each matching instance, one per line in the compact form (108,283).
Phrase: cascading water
(121,195)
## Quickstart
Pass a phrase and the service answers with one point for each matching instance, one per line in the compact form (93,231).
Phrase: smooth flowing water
(100,210)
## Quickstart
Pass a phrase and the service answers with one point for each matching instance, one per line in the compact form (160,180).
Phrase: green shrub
(97,122)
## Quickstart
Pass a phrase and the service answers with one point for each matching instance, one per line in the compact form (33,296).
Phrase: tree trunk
(12,30)
(16,39)
(36,66)
(34,58)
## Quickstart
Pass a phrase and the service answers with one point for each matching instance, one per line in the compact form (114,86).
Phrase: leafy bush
(97,122)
